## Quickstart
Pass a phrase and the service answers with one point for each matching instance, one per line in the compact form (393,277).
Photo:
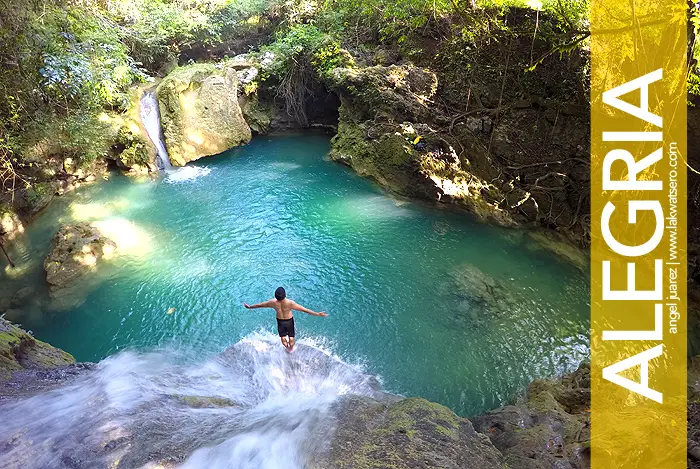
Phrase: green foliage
(694,46)
(84,62)
(39,192)
(135,150)
(363,20)
(80,135)
(574,13)
(65,63)
(158,30)
(305,42)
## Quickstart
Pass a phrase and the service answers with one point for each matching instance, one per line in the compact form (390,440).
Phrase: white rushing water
(132,409)
(186,174)
(150,116)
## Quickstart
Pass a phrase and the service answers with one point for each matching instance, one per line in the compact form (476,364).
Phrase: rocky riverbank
(21,351)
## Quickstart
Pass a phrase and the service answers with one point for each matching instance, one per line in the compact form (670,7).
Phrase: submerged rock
(200,114)
(550,429)
(20,351)
(558,245)
(75,252)
(480,297)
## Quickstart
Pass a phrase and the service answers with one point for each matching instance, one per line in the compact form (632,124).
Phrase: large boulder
(200,114)
(408,433)
(75,252)
(20,351)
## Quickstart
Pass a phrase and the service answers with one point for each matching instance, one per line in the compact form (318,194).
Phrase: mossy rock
(549,428)
(134,146)
(409,433)
(388,159)
(19,350)
(399,91)
(259,116)
(136,149)
(200,113)
(205,402)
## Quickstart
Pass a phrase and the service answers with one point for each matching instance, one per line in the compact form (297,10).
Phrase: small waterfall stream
(150,116)
(271,410)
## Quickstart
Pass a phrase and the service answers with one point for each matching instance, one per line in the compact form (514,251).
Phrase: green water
(403,284)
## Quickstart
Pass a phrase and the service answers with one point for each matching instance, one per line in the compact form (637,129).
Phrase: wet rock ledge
(548,428)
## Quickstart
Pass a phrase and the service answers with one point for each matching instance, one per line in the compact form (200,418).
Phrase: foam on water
(132,408)
(186,174)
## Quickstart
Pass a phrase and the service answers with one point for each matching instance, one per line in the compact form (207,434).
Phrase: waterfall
(254,406)
(150,116)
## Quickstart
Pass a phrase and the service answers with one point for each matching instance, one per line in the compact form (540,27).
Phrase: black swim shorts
(285,327)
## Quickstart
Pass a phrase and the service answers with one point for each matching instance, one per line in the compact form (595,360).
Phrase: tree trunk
(12,264)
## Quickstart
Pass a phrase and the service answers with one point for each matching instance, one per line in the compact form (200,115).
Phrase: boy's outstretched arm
(298,307)
(265,304)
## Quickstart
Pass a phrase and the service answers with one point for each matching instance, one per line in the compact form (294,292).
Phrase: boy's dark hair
(280,294)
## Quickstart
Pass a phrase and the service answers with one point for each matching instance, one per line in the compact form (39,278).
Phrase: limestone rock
(399,91)
(200,114)
(383,133)
(408,433)
(259,116)
(550,429)
(19,351)
(75,252)
(10,224)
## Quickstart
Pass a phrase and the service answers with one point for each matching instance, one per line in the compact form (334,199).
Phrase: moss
(257,115)
(205,402)
(414,409)
(136,148)
(19,350)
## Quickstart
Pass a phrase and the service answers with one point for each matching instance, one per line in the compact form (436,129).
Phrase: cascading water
(253,407)
(150,116)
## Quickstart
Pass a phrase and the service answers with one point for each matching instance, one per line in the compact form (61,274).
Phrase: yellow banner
(638,229)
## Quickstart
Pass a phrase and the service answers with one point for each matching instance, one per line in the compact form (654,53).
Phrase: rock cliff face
(384,132)
(472,124)
(200,114)
(20,351)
